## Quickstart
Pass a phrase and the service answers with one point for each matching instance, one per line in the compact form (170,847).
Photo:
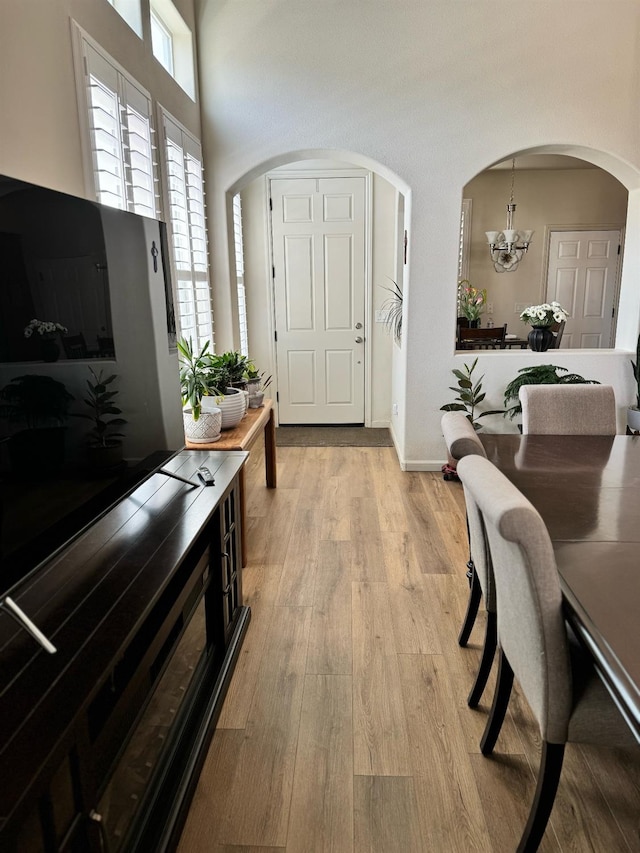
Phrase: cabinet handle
(23,620)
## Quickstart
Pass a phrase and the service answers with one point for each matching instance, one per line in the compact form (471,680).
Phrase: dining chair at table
(462,440)
(481,338)
(558,331)
(568,409)
(557,677)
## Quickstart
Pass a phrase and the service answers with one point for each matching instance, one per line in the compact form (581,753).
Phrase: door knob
(358,325)
(359,340)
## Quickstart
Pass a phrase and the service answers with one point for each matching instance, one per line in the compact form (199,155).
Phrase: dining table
(587,490)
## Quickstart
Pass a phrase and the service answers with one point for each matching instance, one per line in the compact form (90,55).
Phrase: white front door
(582,277)
(318,233)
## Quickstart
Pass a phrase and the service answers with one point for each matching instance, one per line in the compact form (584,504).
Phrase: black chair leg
(548,778)
(475,594)
(486,661)
(499,707)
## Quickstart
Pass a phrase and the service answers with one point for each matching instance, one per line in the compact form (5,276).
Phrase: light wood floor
(346,726)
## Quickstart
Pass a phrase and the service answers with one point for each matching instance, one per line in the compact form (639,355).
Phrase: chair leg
(475,594)
(548,778)
(486,661)
(499,707)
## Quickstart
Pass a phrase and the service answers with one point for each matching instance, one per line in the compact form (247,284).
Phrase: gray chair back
(462,440)
(531,627)
(568,410)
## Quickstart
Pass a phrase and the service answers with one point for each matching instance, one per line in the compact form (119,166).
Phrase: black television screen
(85,293)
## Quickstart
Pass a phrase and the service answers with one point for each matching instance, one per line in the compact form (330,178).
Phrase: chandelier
(507,247)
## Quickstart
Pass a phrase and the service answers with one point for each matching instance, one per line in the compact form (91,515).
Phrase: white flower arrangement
(544,315)
(44,327)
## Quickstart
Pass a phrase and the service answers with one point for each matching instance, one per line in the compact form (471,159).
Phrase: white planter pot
(206,429)
(233,406)
(633,418)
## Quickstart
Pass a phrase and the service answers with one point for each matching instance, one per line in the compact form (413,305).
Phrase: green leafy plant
(197,378)
(636,372)
(470,395)
(35,402)
(230,368)
(100,401)
(392,308)
(539,374)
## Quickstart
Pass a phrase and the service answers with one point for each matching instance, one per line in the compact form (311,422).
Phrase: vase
(49,350)
(540,338)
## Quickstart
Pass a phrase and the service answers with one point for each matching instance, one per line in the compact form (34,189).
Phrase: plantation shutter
(465,240)
(239,253)
(120,126)
(187,227)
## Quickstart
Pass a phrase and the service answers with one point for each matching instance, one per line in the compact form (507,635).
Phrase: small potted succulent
(104,448)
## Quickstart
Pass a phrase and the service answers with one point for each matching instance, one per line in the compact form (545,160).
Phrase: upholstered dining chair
(568,700)
(462,440)
(568,410)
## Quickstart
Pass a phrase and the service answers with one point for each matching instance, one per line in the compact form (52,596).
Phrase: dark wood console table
(102,742)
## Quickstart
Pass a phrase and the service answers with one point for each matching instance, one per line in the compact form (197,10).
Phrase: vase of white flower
(541,318)
(47,332)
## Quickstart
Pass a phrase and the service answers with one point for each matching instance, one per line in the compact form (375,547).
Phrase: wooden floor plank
(322,803)
(451,811)
(386,816)
(258,811)
(330,641)
(381,744)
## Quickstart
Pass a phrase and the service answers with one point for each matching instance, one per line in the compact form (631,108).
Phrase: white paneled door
(582,277)
(318,232)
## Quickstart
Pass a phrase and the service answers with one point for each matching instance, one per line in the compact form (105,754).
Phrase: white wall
(416,92)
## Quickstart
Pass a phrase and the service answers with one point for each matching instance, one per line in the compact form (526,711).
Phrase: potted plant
(104,448)
(471,303)
(36,409)
(47,331)
(256,389)
(392,308)
(470,395)
(542,317)
(633,412)
(200,426)
(538,374)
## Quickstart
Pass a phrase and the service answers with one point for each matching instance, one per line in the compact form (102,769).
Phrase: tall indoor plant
(195,383)
(538,374)
(104,447)
(633,412)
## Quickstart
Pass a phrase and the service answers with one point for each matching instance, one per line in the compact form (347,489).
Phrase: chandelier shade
(507,247)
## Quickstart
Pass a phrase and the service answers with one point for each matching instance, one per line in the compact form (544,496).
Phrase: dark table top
(587,490)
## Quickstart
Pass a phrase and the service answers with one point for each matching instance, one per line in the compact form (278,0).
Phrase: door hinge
(275,336)
(613,311)
(270,203)
(273,271)
(277,396)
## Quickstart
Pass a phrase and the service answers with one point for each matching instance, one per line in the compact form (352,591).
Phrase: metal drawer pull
(22,619)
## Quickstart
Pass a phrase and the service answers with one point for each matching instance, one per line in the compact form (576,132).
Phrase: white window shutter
(187,227)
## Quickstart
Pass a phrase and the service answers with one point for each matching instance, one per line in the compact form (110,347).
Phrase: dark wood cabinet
(103,741)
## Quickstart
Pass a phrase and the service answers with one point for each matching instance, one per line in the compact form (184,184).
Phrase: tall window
(239,253)
(187,227)
(162,42)
(172,44)
(129,10)
(123,155)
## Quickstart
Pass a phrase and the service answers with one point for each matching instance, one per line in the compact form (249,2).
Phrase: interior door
(582,277)
(318,233)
